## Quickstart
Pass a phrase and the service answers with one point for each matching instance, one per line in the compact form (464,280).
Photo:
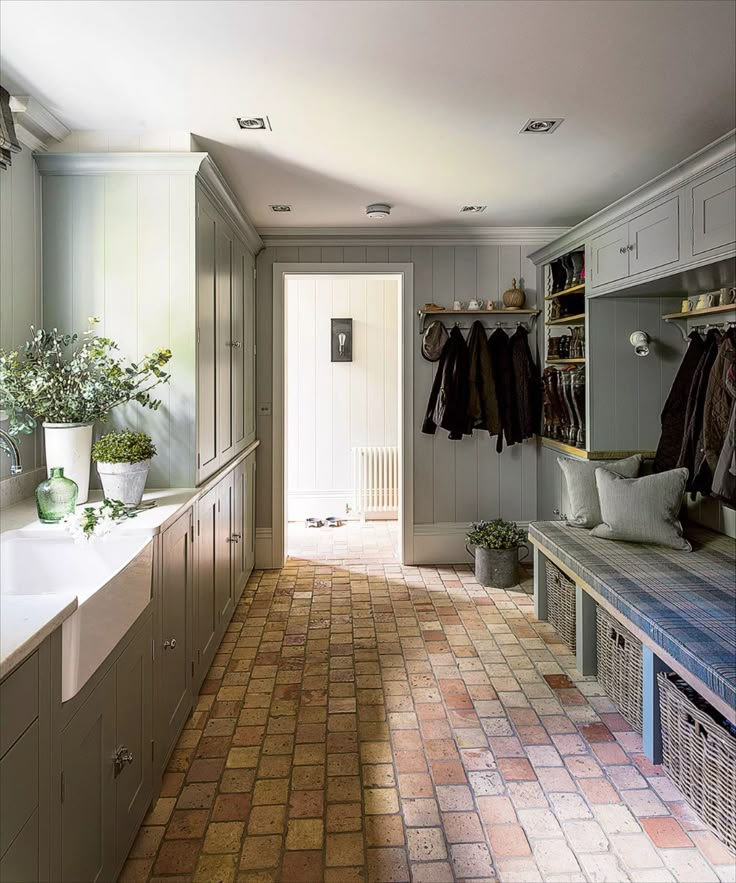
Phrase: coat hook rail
(530,317)
(685,330)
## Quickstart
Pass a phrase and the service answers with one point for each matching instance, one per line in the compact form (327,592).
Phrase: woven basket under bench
(699,753)
(619,666)
(561,604)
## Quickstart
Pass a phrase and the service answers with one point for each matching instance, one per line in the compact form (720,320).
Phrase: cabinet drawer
(20,862)
(714,212)
(654,237)
(18,786)
(609,254)
(19,702)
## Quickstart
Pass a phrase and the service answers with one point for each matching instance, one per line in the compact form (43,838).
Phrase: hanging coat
(695,405)
(724,476)
(674,411)
(718,401)
(482,404)
(503,377)
(448,400)
(526,386)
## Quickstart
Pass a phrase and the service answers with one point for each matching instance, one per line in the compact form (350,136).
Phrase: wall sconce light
(640,341)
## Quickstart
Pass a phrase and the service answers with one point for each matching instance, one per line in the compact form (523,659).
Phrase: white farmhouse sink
(112,582)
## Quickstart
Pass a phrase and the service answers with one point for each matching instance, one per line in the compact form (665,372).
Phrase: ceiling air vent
(280,208)
(541,127)
(477,209)
(254,123)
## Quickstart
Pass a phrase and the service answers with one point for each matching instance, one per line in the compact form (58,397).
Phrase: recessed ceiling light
(541,127)
(474,208)
(378,210)
(280,208)
(254,123)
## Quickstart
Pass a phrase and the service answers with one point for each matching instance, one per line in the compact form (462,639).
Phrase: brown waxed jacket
(718,402)
(482,402)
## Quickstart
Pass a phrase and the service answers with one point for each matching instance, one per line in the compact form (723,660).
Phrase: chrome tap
(12,450)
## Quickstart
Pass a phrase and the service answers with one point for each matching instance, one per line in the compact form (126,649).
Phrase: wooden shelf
(576,289)
(592,455)
(565,361)
(708,311)
(480,312)
(577,319)
(564,448)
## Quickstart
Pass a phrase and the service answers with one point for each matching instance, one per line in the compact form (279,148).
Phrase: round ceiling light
(378,210)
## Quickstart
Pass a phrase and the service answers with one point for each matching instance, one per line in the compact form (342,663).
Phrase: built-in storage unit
(157,248)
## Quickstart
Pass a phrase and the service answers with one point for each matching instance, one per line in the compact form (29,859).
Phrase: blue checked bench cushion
(685,602)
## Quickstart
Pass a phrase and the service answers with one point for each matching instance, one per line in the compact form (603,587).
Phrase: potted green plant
(123,460)
(67,385)
(496,545)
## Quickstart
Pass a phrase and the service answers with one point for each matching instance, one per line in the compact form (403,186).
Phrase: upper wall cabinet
(156,247)
(714,211)
(649,241)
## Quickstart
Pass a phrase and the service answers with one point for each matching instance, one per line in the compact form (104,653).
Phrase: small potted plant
(496,544)
(123,460)
(67,383)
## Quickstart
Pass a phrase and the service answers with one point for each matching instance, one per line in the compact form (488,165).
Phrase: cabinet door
(239,547)
(249,320)
(610,256)
(88,791)
(134,734)
(238,348)
(205,605)
(207,390)
(655,237)
(173,670)
(249,521)
(225,340)
(714,212)
(225,550)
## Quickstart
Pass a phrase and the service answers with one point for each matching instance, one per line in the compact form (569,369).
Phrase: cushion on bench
(685,603)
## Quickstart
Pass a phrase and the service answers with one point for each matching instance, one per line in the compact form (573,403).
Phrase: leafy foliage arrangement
(123,447)
(496,534)
(94,522)
(55,381)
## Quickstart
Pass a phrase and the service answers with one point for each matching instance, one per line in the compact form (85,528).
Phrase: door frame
(404,273)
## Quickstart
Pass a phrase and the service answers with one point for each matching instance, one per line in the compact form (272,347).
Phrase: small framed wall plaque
(342,340)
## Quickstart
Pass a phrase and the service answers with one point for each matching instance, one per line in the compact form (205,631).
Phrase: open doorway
(342,417)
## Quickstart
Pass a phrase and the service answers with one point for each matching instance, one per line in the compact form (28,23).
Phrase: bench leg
(540,585)
(586,633)
(651,723)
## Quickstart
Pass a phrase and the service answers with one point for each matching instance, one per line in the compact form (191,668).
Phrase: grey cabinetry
(173,677)
(243,548)
(106,766)
(648,241)
(226,335)
(225,544)
(714,211)
(205,603)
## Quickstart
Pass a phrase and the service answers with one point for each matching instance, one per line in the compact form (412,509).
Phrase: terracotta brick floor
(368,722)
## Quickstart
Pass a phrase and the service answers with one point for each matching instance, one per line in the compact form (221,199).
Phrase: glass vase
(55,497)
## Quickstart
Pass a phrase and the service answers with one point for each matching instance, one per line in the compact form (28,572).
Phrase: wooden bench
(680,605)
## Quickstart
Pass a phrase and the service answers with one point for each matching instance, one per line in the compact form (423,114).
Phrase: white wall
(20,292)
(333,407)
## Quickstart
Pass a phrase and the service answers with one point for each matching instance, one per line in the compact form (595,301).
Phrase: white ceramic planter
(69,445)
(124,481)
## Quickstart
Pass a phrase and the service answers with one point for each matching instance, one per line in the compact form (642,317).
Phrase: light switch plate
(264,409)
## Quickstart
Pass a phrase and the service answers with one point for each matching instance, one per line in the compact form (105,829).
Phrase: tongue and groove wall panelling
(120,247)
(454,482)
(625,392)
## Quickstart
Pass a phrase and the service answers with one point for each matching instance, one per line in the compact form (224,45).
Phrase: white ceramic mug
(457,305)
(474,305)
(727,297)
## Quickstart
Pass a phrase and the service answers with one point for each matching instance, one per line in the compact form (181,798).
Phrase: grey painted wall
(20,290)
(454,482)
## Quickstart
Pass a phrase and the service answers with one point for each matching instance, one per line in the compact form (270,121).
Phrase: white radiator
(376,482)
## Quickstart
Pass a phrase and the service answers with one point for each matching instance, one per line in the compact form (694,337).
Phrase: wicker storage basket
(561,604)
(699,753)
(619,666)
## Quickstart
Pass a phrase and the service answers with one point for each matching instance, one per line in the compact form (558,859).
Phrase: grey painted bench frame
(654,658)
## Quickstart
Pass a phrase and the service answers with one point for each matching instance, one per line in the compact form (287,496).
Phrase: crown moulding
(397,236)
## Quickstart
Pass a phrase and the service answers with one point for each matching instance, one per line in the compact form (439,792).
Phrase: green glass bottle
(55,497)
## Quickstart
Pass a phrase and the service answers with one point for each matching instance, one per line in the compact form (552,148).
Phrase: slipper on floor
(313,522)
(332,521)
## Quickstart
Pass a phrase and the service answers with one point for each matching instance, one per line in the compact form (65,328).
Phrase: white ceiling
(417,104)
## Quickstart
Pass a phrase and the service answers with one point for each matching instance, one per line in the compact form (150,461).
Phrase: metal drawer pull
(631,247)
(234,538)
(235,343)
(122,756)
(622,250)
(170,645)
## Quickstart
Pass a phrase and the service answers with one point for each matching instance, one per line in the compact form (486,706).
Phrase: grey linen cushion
(585,510)
(642,510)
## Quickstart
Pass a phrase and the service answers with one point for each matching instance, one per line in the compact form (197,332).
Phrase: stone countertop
(26,621)
(170,502)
